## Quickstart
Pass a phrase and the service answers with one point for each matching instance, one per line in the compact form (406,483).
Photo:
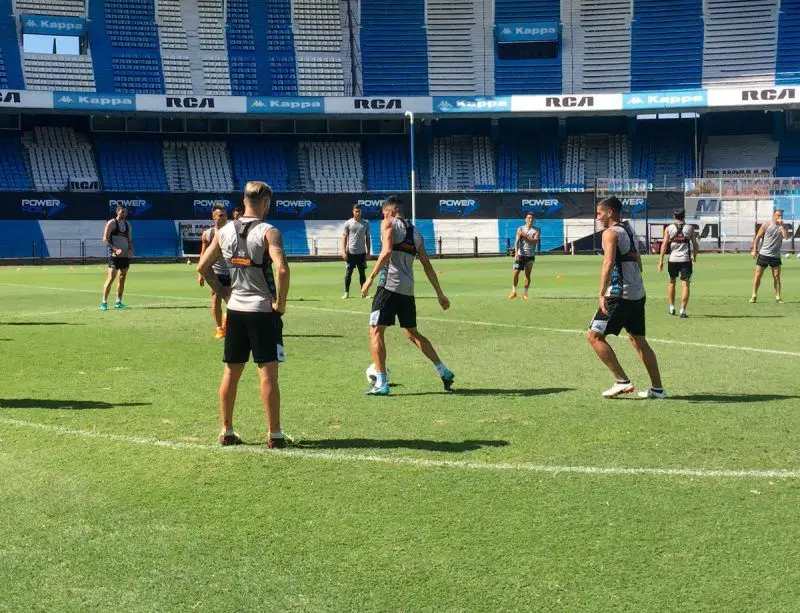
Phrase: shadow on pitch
(169,308)
(313,336)
(39,323)
(73,405)
(520,393)
(732,398)
(420,444)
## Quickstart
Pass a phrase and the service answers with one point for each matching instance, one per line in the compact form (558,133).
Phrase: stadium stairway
(539,76)
(207,45)
(395,64)
(452,41)
(740,42)
(653,31)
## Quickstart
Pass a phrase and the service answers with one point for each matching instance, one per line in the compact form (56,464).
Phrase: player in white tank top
(256,300)
(220,216)
(525,242)
(771,236)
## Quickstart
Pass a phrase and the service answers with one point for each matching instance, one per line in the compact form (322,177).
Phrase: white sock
(525,291)
(228,432)
(380,379)
(683,311)
(441,369)
(277,434)
(672,308)
(514,288)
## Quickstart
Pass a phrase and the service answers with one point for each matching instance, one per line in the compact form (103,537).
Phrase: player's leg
(123,274)
(112,274)
(362,271)
(348,276)
(377,344)
(216,313)
(227,399)
(271,398)
(426,347)
(601,326)
(515,280)
(607,355)
(527,282)
(671,294)
(776,280)
(648,358)
(757,281)
(685,293)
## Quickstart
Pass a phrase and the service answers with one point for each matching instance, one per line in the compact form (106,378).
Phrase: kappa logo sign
(189,102)
(768,95)
(377,104)
(569,102)
(10,98)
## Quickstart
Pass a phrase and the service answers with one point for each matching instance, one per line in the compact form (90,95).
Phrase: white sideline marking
(494,324)
(88,310)
(407,461)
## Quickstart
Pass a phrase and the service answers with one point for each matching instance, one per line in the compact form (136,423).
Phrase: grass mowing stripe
(792,354)
(417,462)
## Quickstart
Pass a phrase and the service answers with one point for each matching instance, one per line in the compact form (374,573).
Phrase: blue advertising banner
(54,26)
(542,32)
(666,99)
(285,105)
(471,104)
(94,102)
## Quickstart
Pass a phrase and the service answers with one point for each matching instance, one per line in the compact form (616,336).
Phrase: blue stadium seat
(787,62)
(394,48)
(127,165)
(653,31)
(264,161)
(387,165)
(541,76)
(13,173)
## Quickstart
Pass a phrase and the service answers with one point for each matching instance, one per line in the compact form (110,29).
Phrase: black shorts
(684,269)
(387,305)
(224,280)
(356,260)
(521,261)
(628,314)
(118,263)
(259,333)
(765,260)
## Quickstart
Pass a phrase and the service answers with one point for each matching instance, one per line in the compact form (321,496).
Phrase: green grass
(117,522)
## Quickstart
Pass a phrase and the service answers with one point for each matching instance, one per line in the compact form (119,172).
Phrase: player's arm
(383,258)
(609,253)
(203,247)
(107,238)
(130,240)
(759,236)
(695,246)
(664,244)
(784,231)
(344,243)
(537,239)
(205,269)
(432,276)
(277,254)
(516,243)
(369,242)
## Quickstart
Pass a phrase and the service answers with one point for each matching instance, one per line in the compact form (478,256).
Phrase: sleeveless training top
(626,278)
(120,237)
(398,275)
(773,239)
(680,242)
(247,256)
(220,266)
(525,248)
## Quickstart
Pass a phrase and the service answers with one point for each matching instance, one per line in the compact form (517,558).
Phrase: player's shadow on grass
(74,405)
(522,393)
(732,398)
(169,307)
(397,443)
(313,336)
(39,323)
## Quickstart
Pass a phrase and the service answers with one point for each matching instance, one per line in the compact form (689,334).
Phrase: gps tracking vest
(680,238)
(617,279)
(241,257)
(407,245)
(117,232)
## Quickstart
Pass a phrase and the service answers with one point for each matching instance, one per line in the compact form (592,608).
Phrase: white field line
(523,467)
(493,324)
(30,314)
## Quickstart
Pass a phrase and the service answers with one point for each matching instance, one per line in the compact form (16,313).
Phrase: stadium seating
(462,162)
(202,166)
(281,47)
(177,74)
(740,42)
(653,31)
(10,64)
(57,155)
(394,50)
(130,165)
(59,72)
(788,162)
(216,76)
(508,167)
(539,76)
(387,166)
(740,152)
(601,45)
(13,174)
(263,162)
(550,165)
(454,41)
(66,8)
(176,166)
(333,166)
(787,60)
(210,25)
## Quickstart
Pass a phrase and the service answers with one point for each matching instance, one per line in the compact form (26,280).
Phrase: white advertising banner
(754,96)
(191,104)
(378,105)
(575,103)
(16,98)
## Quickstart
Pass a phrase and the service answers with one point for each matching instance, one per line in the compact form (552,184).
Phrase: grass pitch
(117,498)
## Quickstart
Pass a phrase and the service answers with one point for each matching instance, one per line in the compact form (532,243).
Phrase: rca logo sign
(10,98)
(378,104)
(190,103)
(768,95)
(569,102)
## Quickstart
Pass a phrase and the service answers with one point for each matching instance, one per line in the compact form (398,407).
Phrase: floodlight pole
(410,115)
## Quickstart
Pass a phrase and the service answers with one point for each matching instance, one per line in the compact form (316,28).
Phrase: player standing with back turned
(681,240)
(772,236)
